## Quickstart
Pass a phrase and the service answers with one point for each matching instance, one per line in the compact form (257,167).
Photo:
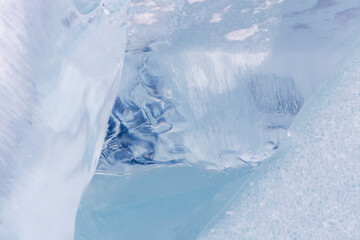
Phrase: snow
(242,34)
(310,188)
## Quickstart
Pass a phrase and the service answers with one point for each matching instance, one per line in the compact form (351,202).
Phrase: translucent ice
(215,84)
(220,87)
(310,188)
(60,62)
(164,203)
(218,84)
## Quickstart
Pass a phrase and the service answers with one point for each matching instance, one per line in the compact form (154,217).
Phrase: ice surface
(218,84)
(211,84)
(60,62)
(310,188)
(164,203)
(226,95)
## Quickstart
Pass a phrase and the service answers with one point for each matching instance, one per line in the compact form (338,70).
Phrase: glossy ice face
(215,84)
(218,83)
(219,86)
(60,66)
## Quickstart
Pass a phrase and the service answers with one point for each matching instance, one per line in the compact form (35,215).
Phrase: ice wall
(60,64)
(218,84)
(310,188)
(211,88)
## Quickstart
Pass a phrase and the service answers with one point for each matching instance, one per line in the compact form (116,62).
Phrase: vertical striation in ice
(310,188)
(60,64)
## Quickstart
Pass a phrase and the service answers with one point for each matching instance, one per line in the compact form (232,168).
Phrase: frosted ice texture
(218,84)
(60,64)
(310,188)
(212,83)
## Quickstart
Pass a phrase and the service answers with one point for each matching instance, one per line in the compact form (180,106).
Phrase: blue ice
(179,119)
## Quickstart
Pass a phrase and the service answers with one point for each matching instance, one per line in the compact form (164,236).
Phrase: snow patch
(242,34)
(145,18)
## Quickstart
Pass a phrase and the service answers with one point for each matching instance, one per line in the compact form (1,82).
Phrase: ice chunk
(191,96)
(310,188)
(60,63)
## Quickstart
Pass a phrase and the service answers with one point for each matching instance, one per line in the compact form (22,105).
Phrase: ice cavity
(60,66)
(194,96)
(310,188)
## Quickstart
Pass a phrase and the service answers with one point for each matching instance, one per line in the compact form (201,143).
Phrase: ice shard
(60,64)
